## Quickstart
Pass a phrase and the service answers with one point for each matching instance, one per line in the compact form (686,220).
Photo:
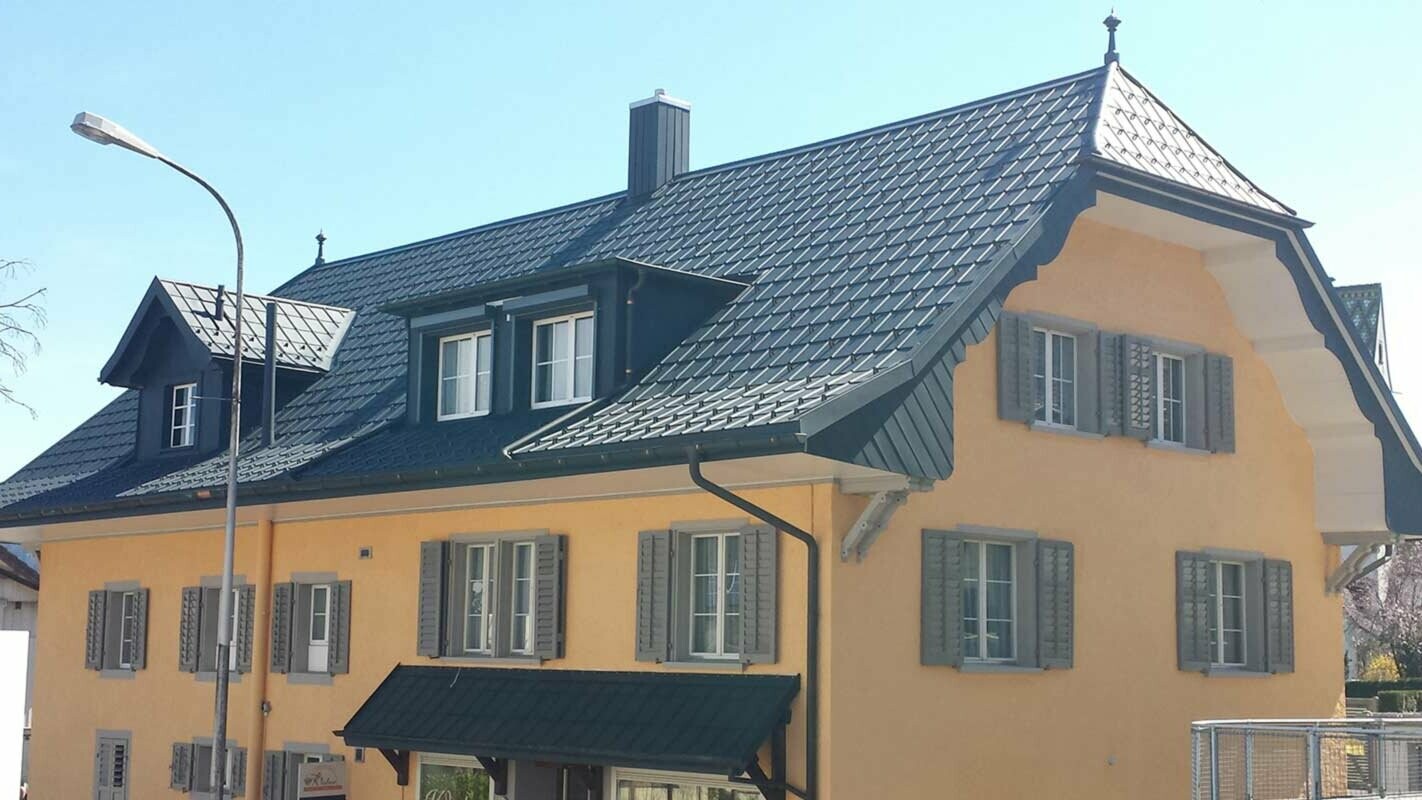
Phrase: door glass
(451,782)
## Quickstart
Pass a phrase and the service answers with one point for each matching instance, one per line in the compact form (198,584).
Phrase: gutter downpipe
(812,612)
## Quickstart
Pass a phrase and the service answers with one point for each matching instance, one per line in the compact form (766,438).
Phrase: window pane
(999,601)
(475,631)
(584,337)
(704,555)
(483,373)
(561,334)
(1064,375)
(731,625)
(703,634)
(971,556)
(583,377)
(1234,647)
(449,360)
(318,613)
(453,782)
(559,388)
(999,562)
(999,639)
(1039,373)
(703,594)
(519,640)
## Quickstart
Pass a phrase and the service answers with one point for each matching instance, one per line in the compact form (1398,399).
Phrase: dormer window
(183,417)
(465,375)
(563,360)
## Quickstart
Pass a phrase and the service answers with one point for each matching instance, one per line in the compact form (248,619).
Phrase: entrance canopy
(683,721)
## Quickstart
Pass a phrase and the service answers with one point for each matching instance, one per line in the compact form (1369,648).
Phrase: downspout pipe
(812,612)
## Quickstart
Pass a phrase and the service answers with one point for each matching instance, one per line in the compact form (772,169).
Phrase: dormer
(177,353)
(549,340)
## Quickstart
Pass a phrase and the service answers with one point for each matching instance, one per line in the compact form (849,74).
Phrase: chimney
(658,141)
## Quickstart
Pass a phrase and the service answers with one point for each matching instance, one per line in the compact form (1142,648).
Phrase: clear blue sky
(391,122)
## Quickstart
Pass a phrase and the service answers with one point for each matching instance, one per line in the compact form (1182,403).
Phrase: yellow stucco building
(1065,403)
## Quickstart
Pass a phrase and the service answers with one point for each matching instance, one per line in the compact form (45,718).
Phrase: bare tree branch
(1384,610)
(21,318)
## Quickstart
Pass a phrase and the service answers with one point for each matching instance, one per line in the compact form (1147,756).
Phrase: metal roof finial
(320,247)
(1112,22)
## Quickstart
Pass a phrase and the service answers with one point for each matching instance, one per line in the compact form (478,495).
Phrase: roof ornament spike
(320,247)
(1112,22)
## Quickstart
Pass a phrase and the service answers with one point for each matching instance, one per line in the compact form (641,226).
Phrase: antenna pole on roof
(1112,22)
(217,305)
(320,248)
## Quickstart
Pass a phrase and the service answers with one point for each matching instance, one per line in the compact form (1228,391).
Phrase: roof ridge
(250,295)
(1126,75)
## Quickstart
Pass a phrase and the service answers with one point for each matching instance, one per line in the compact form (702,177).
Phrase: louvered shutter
(140,629)
(1056,604)
(94,632)
(247,613)
(1278,616)
(103,766)
(339,662)
(548,576)
(1192,610)
(189,629)
(239,771)
(180,767)
(1015,397)
(273,775)
(1138,390)
(1219,403)
(429,627)
(1111,383)
(941,594)
(283,595)
(653,595)
(760,579)
(1088,385)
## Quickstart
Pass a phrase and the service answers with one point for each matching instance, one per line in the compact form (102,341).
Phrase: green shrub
(1406,701)
(1371,688)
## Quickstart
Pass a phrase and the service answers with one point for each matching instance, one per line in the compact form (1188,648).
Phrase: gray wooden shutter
(239,771)
(429,627)
(189,627)
(1138,391)
(1219,403)
(1056,603)
(653,595)
(140,630)
(1196,415)
(760,579)
(103,767)
(941,613)
(1278,616)
(1015,397)
(283,595)
(548,577)
(1110,384)
(180,767)
(247,613)
(1088,385)
(340,660)
(94,632)
(273,775)
(1192,610)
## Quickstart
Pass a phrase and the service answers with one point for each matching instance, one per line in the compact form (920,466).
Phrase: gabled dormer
(549,340)
(177,352)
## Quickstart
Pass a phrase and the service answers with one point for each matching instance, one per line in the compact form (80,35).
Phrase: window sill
(522,661)
(535,406)
(118,674)
(727,664)
(1236,672)
(309,678)
(992,667)
(1064,430)
(209,676)
(1173,447)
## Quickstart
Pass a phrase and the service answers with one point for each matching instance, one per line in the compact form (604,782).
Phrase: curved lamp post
(97,129)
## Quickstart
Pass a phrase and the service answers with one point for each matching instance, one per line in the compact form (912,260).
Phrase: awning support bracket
(498,769)
(773,786)
(589,777)
(400,760)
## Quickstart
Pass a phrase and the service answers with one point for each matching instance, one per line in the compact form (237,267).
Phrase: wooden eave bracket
(1363,560)
(875,517)
(400,761)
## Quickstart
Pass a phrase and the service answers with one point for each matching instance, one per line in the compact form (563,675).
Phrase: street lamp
(97,129)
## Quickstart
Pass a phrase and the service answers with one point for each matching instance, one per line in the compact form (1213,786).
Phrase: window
(492,596)
(183,420)
(707,592)
(117,630)
(563,360)
(465,375)
(190,769)
(311,622)
(202,768)
(198,623)
(319,643)
(1170,398)
(649,785)
(1054,377)
(452,777)
(1227,644)
(281,769)
(111,766)
(715,595)
(989,601)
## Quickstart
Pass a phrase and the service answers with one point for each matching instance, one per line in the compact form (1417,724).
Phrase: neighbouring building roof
(703,723)
(1363,305)
(854,249)
(19,565)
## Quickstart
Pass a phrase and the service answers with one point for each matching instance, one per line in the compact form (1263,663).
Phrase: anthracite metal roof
(686,721)
(854,248)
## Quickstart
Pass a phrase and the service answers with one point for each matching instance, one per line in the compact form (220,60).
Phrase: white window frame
(128,624)
(723,574)
(1161,401)
(680,779)
(324,643)
(981,610)
(571,369)
(490,551)
(521,585)
(1217,598)
(443,760)
(186,432)
(1048,381)
(472,372)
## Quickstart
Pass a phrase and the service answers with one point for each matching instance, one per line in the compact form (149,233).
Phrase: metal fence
(1307,759)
